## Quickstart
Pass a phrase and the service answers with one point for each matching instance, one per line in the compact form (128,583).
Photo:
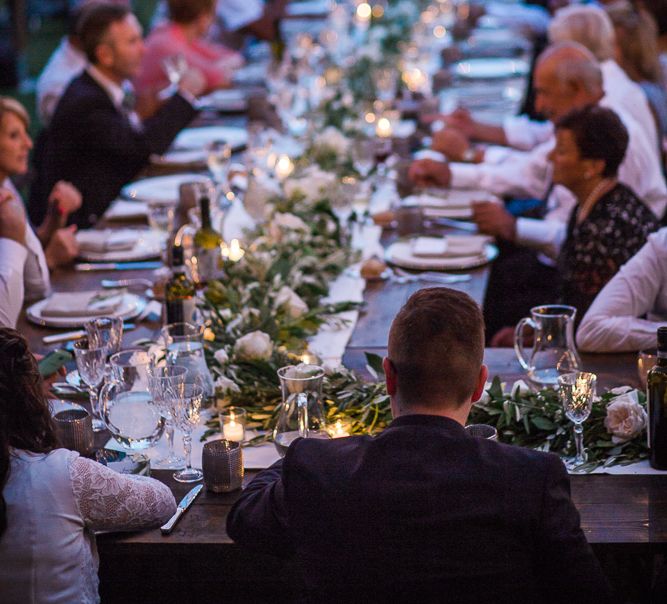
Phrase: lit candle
(383,128)
(234,252)
(339,430)
(233,431)
(284,167)
(364,12)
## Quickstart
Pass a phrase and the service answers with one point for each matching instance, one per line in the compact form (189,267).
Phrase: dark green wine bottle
(180,292)
(207,245)
(656,385)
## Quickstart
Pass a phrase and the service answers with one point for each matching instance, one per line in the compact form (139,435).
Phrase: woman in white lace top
(51,500)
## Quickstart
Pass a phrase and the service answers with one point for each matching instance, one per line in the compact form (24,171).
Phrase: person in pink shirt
(181,40)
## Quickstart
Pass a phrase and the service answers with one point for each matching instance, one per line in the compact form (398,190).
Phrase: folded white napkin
(107,240)
(126,210)
(448,247)
(429,247)
(82,304)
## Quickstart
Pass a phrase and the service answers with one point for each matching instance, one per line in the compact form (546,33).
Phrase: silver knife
(117,266)
(186,502)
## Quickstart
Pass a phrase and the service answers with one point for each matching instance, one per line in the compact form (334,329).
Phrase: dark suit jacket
(421,513)
(93,145)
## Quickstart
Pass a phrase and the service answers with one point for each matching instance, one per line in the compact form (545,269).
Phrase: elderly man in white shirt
(628,311)
(566,77)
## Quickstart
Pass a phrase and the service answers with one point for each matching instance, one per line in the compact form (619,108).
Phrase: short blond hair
(587,25)
(11,105)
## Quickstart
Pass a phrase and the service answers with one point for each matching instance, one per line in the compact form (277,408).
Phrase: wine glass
(363,156)
(164,384)
(105,331)
(185,409)
(91,363)
(576,391)
(175,66)
(218,155)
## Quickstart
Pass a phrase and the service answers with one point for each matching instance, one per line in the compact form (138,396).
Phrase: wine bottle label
(181,311)
(208,263)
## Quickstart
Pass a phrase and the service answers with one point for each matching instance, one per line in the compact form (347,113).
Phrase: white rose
(221,356)
(289,221)
(260,190)
(520,387)
(621,390)
(626,418)
(224,385)
(292,302)
(313,183)
(334,139)
(254,345)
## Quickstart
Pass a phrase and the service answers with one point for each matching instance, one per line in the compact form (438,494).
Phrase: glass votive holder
(646,359)
(74,430)
(232,424)
(222,464)
(482,431)
(340,428)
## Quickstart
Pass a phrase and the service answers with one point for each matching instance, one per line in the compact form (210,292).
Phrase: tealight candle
(284,167)
(233,252)
(340,429)
(383,128)
(232,422)
(364,12)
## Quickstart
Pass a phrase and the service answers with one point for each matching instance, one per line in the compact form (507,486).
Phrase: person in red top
(183,36)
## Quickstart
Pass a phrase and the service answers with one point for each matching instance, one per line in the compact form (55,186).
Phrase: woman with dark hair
(51,500)
(610,223)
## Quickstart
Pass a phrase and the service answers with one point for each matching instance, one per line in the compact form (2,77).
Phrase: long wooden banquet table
(199,562)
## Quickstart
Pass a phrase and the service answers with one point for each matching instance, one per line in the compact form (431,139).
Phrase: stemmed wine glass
(185,409)
(341,200)
(166,383)
(218,154)
(175,66)
(105,331)
(91,363)
(576,391)
(363,156)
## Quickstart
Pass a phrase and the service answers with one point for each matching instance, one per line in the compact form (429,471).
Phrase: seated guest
(637,50)
(184,35)
(240,18)
(95,139)
(626,314)
(423,512)
(610,223)
(658,10)
(51,500)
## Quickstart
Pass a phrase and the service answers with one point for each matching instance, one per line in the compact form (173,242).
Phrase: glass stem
(187,446)
(170,439)
(579,442)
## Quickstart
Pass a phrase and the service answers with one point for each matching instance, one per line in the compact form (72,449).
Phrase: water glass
(161,215)
(184,344)
(185,410)
(576,391)
(363,156)
(105,331)
(91,363)
(164,384)
(222,464)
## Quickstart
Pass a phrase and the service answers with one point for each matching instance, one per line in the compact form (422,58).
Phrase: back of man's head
(94,25)
(436,346)
(587,25)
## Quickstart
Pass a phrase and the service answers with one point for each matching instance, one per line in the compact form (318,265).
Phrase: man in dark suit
(424,512)
(95,139)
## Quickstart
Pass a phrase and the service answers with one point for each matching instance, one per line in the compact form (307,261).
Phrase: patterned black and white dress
(614,231)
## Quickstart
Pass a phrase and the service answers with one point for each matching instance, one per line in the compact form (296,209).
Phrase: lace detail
(109,501)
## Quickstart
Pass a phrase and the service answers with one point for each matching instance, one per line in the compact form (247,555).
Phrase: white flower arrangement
(291,302)
(626,418)
(255,345)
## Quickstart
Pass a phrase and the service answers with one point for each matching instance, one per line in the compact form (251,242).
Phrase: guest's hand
(12,217)
(49,380)
(461,120)
(493,219)
(451,142)
(62,247)
(429,172)
(193,82)
(67,196)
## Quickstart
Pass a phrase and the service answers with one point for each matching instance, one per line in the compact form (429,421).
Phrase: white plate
(149,244)
(181,158)
(400,254)
(231,100)
(198,138)
(160,188)
(254,73)
(445,212)
(130,306)
(488,69)
(308,8)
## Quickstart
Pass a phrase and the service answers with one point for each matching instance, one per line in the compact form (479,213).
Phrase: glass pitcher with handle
(554,352)
(127,405)
(301,412)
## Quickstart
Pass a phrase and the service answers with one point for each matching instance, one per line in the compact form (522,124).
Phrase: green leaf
(374,362)
(542,423)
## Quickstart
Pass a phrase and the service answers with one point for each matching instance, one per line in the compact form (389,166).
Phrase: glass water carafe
(554,352)
(301,413)
(126,402)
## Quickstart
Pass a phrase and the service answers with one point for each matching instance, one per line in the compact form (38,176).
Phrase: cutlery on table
(401,276)
(117,266)
(185,503)
(138,282)
(471,227)
(68,336)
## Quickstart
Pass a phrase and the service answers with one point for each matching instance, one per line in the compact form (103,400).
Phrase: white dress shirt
(613,323)
(116,93)
(519,173)
(65,63)
(24,274)
(621,94)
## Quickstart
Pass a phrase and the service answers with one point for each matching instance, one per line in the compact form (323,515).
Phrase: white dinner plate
(492,68)
(189,157)
(232,100)
(198,138)
(149,244)
(131,305)
(160,188)
(446,212)
(400,254)
(308,8)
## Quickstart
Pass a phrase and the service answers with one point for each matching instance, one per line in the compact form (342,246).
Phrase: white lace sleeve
(111,501)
